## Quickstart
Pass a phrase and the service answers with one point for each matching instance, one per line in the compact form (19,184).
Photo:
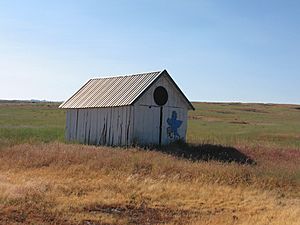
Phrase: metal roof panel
(111,91)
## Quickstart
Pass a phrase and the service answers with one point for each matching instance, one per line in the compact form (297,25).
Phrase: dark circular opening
(160,96)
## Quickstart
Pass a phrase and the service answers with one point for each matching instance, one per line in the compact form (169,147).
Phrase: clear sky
(215,50)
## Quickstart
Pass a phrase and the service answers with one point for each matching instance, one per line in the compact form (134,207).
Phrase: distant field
(215,123)
(241,166)
(250,124)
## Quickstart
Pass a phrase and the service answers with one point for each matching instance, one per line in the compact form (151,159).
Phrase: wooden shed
(145,109)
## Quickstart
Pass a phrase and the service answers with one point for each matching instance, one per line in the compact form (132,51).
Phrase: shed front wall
(100,126)
(147,116)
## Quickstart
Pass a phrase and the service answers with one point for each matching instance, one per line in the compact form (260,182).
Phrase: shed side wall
(100,126)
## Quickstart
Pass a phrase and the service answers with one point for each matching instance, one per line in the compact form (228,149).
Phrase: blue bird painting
(174,124)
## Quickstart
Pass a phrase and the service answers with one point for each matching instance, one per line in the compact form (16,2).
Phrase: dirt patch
(28,215)
(239,122)
(203,118)
(252,110)
(266,104)
(234,103)
(142,214)
(196,117)
(222,112)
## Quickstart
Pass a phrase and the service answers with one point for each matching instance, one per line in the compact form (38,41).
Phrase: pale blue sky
(215,50)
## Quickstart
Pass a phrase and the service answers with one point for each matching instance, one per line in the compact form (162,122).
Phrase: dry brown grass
(75,184)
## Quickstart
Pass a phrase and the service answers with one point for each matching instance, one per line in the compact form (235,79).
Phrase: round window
(160,96)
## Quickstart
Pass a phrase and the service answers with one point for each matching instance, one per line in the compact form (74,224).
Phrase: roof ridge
(126,75)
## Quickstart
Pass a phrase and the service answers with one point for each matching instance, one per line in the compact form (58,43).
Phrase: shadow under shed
(207,152)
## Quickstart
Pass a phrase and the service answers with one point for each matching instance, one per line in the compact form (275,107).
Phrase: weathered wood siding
(100,126)
(147,115)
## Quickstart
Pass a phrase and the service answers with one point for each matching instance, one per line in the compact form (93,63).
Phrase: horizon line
(193,101)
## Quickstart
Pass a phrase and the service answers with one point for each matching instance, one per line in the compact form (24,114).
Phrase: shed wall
(100,126)
(147,116)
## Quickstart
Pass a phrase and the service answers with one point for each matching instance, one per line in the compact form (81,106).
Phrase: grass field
(250,124)
(23,122)
(44,180)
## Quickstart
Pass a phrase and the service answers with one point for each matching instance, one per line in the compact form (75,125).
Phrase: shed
(144,109)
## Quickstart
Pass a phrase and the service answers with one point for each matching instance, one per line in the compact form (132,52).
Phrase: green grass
(223,123)
(246,124)
(22,122)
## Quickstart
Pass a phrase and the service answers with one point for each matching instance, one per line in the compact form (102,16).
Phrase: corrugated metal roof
(111,91)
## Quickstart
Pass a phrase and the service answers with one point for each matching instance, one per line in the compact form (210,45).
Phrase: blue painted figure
(174,124)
